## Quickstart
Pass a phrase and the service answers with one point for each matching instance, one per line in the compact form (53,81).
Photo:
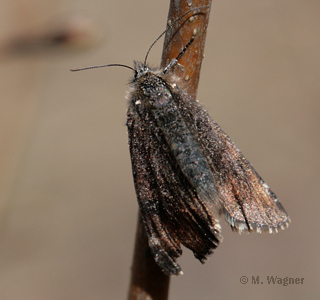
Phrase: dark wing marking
(170,209)
(248,203)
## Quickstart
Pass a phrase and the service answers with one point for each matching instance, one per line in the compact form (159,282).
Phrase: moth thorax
(156,92)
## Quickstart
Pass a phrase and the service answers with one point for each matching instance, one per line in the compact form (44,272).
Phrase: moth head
(139,70)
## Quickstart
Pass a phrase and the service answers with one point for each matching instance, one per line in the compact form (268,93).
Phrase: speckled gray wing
(247,201)
(171,210)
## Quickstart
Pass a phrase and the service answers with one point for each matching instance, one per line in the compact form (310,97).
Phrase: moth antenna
(168,28)
(175,60)
(103,66)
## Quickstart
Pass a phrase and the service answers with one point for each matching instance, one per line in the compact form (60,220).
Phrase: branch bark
(148,282)
(180,35)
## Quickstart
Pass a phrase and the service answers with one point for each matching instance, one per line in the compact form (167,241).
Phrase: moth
(187,172)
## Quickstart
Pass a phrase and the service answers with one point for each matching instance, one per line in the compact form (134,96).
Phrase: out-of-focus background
(68,208)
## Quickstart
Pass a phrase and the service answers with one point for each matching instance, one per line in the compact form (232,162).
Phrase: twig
(148,282)
(177,38)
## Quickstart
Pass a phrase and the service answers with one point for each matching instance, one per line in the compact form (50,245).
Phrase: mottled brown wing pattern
(170,208)
(247,201)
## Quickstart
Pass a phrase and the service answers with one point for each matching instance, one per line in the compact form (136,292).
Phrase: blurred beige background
(68,208)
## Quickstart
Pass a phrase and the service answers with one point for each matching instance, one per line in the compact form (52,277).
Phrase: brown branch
(147,280)
(181,34)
